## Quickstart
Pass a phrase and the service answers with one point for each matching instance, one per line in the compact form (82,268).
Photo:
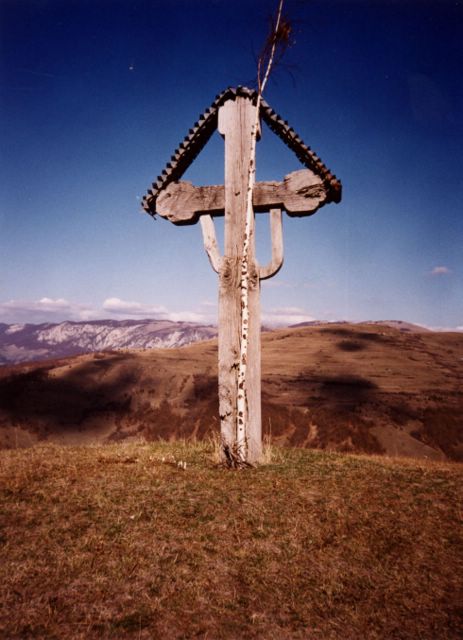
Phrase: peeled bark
(244,388)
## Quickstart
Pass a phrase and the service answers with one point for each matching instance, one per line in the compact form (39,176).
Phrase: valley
(370,388)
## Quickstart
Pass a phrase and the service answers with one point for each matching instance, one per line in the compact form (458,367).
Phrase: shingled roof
(202,130)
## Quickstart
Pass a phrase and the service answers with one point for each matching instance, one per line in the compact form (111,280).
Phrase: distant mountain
(32,342)
(400,325)
(27,342)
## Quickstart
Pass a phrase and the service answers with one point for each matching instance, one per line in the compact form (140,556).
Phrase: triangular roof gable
(200,133)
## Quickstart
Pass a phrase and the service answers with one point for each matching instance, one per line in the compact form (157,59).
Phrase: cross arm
(276,231)
(301,193)
(210,241)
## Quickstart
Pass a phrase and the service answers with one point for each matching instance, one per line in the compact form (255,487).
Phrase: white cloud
(284,316)
(125,308)
(440,271)
(190,316)
(48,309)
(43,310)
(50,305)
(445,329)
(59,310)
(207,313)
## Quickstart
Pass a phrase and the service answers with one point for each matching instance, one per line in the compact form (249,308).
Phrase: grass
(120,542)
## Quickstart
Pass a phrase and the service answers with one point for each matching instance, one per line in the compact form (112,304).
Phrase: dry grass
(114,542)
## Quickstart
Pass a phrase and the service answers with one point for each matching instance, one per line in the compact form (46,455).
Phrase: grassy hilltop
(118,541)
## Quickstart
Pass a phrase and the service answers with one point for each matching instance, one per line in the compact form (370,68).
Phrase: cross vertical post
(235,121)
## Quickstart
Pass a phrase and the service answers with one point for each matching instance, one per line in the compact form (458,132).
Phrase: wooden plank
(181,202)
(300,194)
(276,232)
(210,241)
(235,121)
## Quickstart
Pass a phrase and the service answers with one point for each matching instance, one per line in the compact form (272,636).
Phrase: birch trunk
(240,421)
(244,409)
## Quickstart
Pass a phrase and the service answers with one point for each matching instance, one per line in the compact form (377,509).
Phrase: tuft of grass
(120,541)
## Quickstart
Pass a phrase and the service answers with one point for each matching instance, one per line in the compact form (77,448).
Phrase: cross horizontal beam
(301,193)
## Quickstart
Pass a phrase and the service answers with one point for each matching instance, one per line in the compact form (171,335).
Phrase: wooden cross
(301,193)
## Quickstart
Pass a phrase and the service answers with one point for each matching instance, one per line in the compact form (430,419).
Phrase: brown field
(359,388)
(119,542)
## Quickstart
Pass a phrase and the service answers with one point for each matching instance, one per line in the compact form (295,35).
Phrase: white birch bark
(242,421)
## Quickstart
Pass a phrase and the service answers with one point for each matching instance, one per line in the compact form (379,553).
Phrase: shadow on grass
(66,401)
(109,389)
(346,388)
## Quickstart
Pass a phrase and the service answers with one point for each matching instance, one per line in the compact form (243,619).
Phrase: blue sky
(96,95)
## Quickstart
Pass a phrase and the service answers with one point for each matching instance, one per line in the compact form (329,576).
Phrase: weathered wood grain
(301,193)
(210,241)
(182,202)
(235,122)
(276,232)
(202,130)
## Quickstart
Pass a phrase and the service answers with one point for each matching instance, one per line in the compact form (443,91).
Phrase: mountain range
(30,342)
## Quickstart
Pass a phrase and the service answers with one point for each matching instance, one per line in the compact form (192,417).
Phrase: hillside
(364,388)
(119,542)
